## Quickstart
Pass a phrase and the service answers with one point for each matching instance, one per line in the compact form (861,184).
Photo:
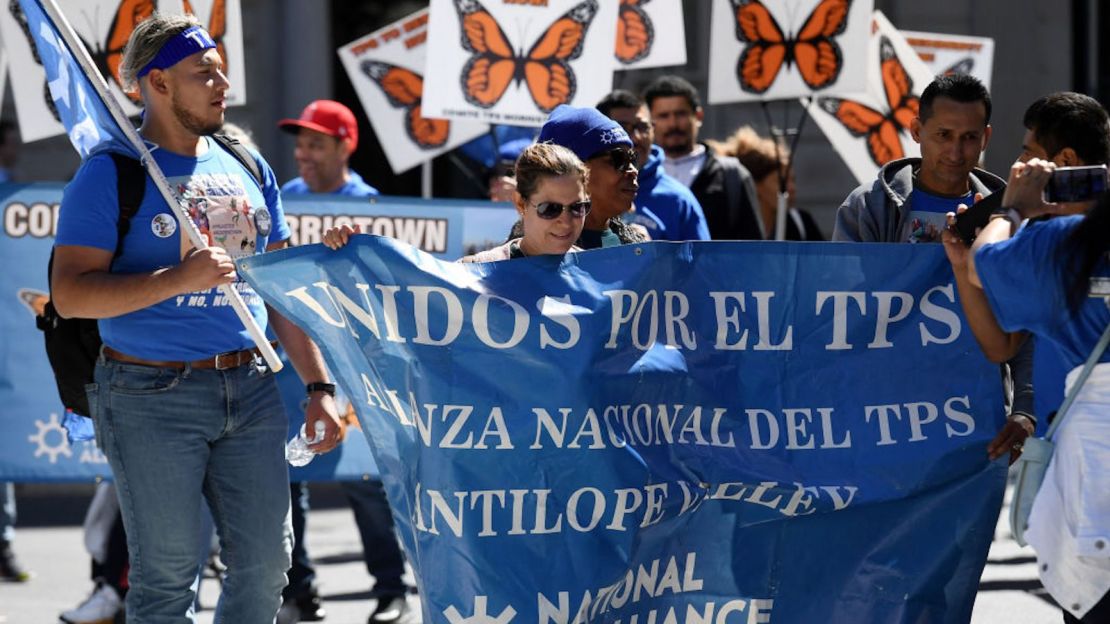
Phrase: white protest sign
(104,26)
(787,48)
(513,63)
(386,69)
(872,128)
(650,33)
(956,54)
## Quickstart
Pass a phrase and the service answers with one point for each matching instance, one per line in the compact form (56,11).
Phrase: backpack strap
(130,186)
(242,154)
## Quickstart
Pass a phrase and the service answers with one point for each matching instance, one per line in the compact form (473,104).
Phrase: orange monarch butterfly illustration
(635,32)
(883,132)
(217,26)
(814,50)
(108,56)
(494,66)
(405,89)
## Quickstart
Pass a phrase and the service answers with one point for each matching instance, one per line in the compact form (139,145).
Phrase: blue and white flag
(668,432)
(82,111)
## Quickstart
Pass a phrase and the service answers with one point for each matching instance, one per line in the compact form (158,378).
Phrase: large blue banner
(33,445)
(667,433)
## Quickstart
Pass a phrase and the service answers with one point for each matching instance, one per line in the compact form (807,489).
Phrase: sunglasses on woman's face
(621,159)
(552,210)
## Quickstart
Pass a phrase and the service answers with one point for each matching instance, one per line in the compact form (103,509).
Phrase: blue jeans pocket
(143,380)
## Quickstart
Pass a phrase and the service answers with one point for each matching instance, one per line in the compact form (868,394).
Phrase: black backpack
(73,344)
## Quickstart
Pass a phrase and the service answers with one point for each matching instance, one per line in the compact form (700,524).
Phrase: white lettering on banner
(467,427)
(917,415)
(535,511)
(884,318)
(427,234)
(616,426)
(658,578)
(39,220)
(437,317)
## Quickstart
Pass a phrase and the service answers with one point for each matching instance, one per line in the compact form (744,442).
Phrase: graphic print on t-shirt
(219,205)
(928,214)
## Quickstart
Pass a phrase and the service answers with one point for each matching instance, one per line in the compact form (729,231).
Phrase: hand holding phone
(976,216)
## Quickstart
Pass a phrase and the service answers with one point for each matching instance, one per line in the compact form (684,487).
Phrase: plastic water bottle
(297,452)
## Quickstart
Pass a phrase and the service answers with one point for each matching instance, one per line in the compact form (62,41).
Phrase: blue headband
(184,44)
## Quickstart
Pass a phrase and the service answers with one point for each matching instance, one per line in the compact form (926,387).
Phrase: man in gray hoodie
(911,196)
(909,201)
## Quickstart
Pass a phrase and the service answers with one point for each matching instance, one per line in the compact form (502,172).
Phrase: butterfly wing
(405,89)
(547,73)
(897,85)
(488,73)
(858,119)
(816,52)
(765,52)
(427,133)
(128,14)
(962,66)
(882,136)
(885,143)
(217,27)
(635,32)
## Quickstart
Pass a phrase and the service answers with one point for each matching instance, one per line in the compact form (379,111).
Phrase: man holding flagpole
(183,404)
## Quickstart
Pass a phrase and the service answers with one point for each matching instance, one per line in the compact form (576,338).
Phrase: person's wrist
(1028,422)
(1009,213)
(320,388)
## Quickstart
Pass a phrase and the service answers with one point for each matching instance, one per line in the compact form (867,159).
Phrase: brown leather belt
(220,361)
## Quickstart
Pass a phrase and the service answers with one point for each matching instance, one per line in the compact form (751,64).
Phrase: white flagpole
(184,221)
(426,179)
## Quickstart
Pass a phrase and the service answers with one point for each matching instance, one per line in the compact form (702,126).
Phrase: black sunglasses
(636,126)
(621,158)
(552,210)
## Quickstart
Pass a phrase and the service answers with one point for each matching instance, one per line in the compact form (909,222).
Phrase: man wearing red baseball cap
(327,135)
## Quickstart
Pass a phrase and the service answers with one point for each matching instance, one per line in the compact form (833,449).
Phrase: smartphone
(1076,184)
(977,216)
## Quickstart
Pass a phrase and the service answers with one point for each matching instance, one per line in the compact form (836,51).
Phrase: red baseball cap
(327,116)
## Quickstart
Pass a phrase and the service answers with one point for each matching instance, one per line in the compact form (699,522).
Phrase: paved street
(50,543)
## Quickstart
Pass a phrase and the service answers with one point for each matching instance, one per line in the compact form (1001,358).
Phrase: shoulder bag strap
(1083,375)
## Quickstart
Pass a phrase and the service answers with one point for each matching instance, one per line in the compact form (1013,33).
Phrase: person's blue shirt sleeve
(89,214)
(1022,278)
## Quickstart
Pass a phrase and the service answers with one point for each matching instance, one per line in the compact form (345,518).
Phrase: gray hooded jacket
(879,212)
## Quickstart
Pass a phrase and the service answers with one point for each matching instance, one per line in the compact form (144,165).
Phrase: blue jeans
(380,550)
(173,437)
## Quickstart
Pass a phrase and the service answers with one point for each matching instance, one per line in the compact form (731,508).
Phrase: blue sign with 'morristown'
(696,432)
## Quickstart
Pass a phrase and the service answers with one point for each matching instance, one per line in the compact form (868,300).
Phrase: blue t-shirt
(927,214)
(355,187)
(1025,284)
(223,199)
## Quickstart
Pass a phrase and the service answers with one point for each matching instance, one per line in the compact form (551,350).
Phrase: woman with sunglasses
(552,202)
(550,198)
(605,149)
